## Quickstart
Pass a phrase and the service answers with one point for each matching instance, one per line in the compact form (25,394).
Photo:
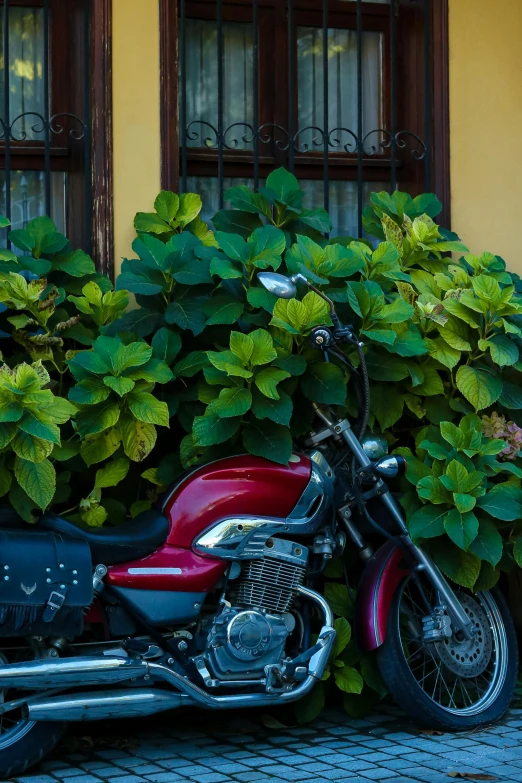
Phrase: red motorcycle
(207,600)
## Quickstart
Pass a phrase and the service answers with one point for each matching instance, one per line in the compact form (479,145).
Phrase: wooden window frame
(343,169)
(65,64)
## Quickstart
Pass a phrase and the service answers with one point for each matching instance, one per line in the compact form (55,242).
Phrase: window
(342,92)
(49,64)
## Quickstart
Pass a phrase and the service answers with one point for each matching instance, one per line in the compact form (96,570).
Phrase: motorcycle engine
(248,636)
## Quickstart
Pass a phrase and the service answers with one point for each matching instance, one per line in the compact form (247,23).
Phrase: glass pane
(343,202)
(342,87)
(26,84)
(202,83)
(28,197)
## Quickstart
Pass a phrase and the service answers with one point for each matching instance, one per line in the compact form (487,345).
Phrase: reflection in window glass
(202,82)
(342,86)
(28,197)
(26,84)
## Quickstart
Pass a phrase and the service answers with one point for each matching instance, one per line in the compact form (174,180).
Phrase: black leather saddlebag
(45,584)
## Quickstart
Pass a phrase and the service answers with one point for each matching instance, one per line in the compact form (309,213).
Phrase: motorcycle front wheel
(453,684)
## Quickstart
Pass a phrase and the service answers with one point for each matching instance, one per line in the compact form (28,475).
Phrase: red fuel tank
(233,486)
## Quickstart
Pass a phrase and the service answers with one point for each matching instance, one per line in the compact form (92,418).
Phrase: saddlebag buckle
(54,603)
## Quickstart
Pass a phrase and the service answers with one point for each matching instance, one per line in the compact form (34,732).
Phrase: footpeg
(142,649)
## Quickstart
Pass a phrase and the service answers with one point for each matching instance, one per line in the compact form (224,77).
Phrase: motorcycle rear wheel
(452,685)
(23,743)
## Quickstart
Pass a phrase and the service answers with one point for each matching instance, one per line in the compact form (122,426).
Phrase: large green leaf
(427,522)
(498,503)
(461,528)
(488,544)
(37,424)
(343,634)
(263,351)
(167,205)
(29,448)
(231,402)
(97,448)
(145,407)
(283,183)
(190,206)
(191,364)
(241,346)
(236,221)
(211,429)
(38,480)
(140,322)
(348,679)
(166,344)
(76,264)
(185,310)
(261,298)
(269,440)
(97,418)
(121,386)
(278,411)
(139,438)
(480,388)
(443,353)
(511,396)
(340,600)
(386,404)
(222,309)
(504,350)
(385,367)
(112,473)
(324,383)
(266,381)
(460,566)
(89,392)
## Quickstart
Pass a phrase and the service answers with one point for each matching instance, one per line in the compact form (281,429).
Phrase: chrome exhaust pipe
(68,672)
(104,705)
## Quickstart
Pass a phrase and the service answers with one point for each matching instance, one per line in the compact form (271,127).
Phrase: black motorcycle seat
(133,539)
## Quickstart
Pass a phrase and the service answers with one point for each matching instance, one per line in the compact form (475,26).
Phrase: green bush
(209,363)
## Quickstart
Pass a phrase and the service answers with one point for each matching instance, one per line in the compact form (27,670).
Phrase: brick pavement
(233,748)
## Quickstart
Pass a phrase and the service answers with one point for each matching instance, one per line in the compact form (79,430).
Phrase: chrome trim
(155,571)
(239,538)
(68,672)
(105,705)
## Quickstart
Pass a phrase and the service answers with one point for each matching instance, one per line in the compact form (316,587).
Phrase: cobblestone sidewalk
(233,748)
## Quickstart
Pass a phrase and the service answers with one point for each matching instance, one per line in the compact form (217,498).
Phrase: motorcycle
(209,600)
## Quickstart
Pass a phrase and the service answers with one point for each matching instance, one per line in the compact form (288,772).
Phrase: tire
(439,699)
(27,746)
(23,743)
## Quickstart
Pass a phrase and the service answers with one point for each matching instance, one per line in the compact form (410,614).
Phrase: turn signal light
(390,466)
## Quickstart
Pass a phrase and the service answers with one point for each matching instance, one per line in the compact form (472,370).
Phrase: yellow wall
(486,125)
(136,112)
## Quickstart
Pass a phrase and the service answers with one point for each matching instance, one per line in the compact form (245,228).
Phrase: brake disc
(469,657)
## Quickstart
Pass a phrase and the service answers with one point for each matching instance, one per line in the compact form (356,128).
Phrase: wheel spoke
(457,674)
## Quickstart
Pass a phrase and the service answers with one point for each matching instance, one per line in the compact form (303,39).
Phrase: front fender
(384,572)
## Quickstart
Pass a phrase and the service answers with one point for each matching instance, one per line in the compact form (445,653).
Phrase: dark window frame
(96,190)
(409,106)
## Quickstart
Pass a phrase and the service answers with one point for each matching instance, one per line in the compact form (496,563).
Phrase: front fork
(423,563)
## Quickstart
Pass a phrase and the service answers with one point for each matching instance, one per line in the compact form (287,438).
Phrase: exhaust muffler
(70,672)
(104,705)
